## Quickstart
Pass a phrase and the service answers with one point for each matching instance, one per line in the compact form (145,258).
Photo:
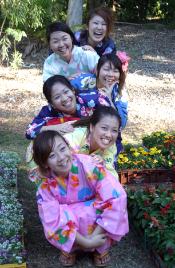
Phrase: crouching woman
(81,205)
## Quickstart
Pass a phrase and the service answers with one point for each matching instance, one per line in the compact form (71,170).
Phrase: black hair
(114,60)
(42,147)
(50,82)
(98,114)
(59,27)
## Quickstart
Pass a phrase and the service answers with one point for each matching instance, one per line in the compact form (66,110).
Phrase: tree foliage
(30,17)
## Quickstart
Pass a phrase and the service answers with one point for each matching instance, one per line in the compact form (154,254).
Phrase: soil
(151,87)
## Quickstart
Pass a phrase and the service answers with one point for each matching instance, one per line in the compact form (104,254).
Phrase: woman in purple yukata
(81,205)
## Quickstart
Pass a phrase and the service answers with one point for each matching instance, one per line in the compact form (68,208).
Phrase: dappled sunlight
(158,58)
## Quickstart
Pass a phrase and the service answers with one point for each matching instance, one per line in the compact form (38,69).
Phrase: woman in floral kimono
(63,106)
(80,204)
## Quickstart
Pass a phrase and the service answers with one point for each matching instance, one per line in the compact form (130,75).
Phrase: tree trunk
(75,11)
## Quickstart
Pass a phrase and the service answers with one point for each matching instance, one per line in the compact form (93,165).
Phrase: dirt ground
(151,87)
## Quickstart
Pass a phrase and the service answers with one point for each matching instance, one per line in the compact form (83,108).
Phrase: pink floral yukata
(80,202)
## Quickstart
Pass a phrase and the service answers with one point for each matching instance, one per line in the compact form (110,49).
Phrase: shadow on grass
(10,141)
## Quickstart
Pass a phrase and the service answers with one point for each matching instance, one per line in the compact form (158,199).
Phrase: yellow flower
(154,150)
(136,154)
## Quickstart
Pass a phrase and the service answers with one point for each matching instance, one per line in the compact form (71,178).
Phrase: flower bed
(151,162)
(153,153)
(11,215)
(8,169)
(151,209)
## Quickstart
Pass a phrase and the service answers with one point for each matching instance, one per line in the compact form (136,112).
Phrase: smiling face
(108,75)
(104,133)
(63,99)
(61,44)
(60,159)
(97,30)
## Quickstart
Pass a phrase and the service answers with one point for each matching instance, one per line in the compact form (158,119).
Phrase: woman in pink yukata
(81,205)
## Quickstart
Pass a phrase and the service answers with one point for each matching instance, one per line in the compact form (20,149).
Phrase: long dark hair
(42,147)
(59,27)
(50,82)
(99,113)
(113,60)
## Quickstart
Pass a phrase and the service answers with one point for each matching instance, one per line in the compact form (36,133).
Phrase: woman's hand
(61,128)
(97,240)
(97,159)
(86,47)
(91,241)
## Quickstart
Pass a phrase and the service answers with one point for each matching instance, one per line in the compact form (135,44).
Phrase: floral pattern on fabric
(81,61)
(83,206)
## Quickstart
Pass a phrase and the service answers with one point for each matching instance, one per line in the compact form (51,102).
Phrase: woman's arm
(93,241)
(38,122)
(61,128)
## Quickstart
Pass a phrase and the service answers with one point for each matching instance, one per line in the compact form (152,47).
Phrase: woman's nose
(60,43)
(99,26)
(108,134)
(63,97)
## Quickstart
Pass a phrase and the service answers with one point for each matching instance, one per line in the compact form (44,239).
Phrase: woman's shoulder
(51,58)
(77,134)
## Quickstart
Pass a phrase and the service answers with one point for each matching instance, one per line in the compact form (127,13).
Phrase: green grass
(10,141)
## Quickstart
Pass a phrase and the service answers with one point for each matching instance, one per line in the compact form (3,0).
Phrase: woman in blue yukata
(109,81)
(67,58)
(97,35)
(63,106)
(80,204)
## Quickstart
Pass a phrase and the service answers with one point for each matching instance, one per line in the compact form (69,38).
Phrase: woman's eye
(51,156)
(66,91)
(104,128)
(62,149)
(115,130)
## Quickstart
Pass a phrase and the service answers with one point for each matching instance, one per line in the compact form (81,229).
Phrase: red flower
(146,216)
(165,209)
(146,202)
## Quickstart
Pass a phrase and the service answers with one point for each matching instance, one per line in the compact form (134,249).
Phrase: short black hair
(59,27)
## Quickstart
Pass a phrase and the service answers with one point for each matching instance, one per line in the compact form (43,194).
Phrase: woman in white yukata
(67,59)
(81,205)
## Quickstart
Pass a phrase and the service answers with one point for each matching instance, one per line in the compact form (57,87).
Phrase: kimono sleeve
(91,59)
(110,48)
(84,81)
(35,126)
(121,104)
(110,198)
(50,68)
(109,158)
(58,220)
(111,205)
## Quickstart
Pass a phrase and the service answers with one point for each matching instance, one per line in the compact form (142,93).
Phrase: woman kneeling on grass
(81,205)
